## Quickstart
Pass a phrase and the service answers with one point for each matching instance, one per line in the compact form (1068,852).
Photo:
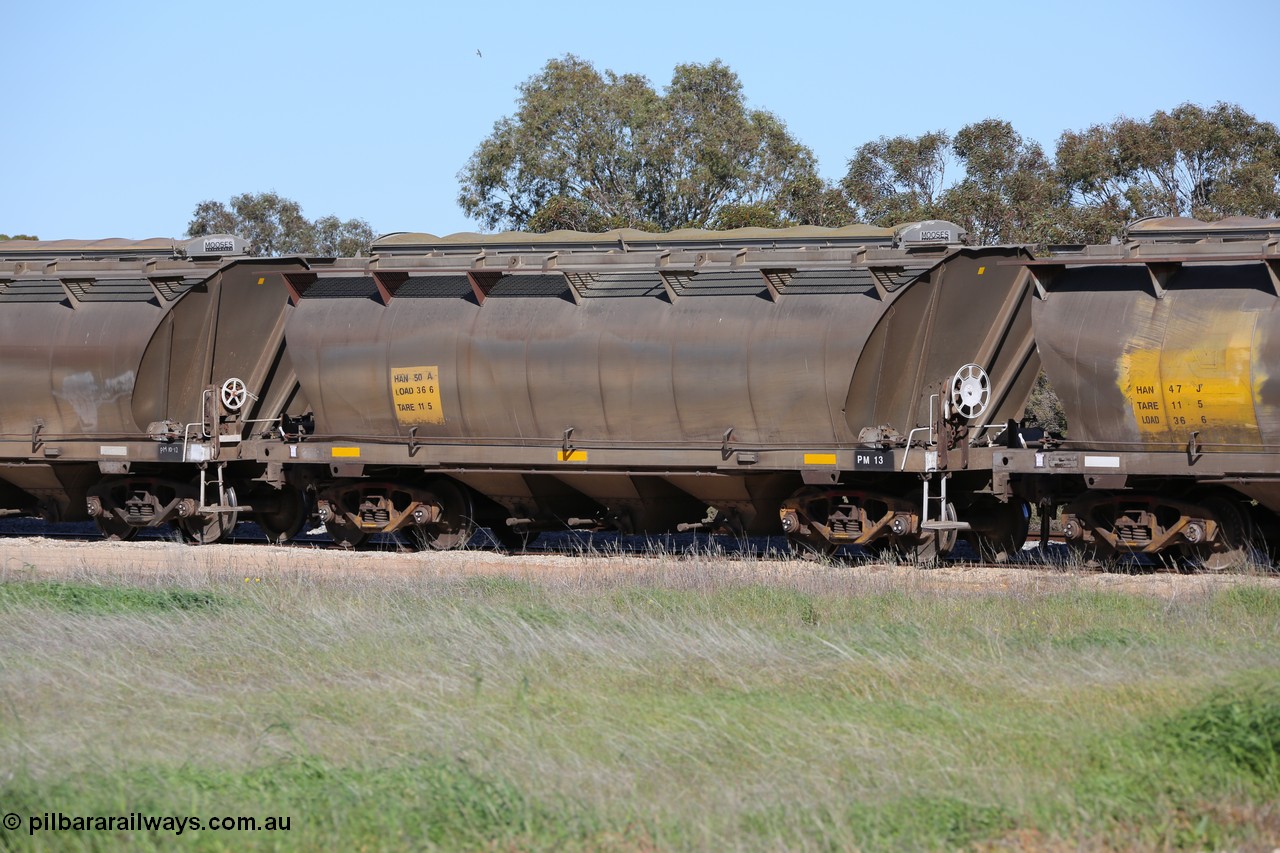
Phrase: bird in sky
(479,54)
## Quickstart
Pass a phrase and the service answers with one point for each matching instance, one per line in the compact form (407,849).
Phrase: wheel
(344,534)
(732,525)
(813,548)
(115,529)
(887,550)
(287,519)
(1094,555)
(1234,548)
(510,539)
(208,528)
(456,524)
(1002,542)
(931,545)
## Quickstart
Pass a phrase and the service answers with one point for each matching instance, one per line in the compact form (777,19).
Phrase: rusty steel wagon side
(836,385)
(132,373)
(1164,350)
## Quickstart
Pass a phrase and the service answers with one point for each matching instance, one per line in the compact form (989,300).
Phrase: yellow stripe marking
(350,452)
(261,280)
(819,459)
(981,270)
(575,455)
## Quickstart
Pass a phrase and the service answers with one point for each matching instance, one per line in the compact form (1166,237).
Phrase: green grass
(90,598)
(1221,749)
(414,803)
(690,706)
(1234,734)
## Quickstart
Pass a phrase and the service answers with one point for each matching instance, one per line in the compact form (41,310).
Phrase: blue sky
(122,116)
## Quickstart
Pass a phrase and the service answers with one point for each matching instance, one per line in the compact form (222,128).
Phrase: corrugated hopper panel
(435,287)
(552,284)
(112,290)
(618,284)
(830,281)
(43,290)
(344,287)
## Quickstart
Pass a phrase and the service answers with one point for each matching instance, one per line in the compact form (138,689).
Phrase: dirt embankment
(35,557)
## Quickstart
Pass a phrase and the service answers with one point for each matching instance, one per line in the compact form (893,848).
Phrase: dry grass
(620,702)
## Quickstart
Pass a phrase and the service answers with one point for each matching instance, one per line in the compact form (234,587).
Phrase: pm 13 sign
(873,460)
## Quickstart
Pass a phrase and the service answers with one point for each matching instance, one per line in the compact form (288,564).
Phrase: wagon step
(946,525)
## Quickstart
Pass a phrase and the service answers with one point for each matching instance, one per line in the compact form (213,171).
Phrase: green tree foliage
(1044,407)
(1008,193)
(1004,190)
(562,213)
(812,201)
(341,238)
(1206,163)
(747,216)
(590,150)
(19,237)
(276,226)
(1192,161)
(899,179)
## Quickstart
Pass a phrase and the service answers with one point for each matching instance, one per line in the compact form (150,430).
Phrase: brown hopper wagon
(1165,350)
(130,373)
(836,385)
(841,386)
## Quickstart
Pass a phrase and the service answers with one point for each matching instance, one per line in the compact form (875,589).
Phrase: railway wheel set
(855,386)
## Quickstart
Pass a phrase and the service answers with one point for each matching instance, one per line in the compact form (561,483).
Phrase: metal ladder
(942,523)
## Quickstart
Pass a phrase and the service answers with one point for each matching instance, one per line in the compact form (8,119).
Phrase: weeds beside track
(474,700)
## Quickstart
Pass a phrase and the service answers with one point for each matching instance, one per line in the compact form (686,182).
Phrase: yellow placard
(349,452)
(1208,389)
(415,393)
(819,459)
(575,455)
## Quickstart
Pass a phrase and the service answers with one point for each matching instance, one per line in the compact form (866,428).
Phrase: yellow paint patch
(575,455)
(261,280)
(346,452)
(1210,388)
(415,393)
(820,459)
(981,270)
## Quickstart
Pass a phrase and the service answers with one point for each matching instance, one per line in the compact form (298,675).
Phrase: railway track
(1055,555)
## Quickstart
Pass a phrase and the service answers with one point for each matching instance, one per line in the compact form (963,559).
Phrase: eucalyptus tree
(1208,163)
(899,179)
(275,225)
(592,150)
